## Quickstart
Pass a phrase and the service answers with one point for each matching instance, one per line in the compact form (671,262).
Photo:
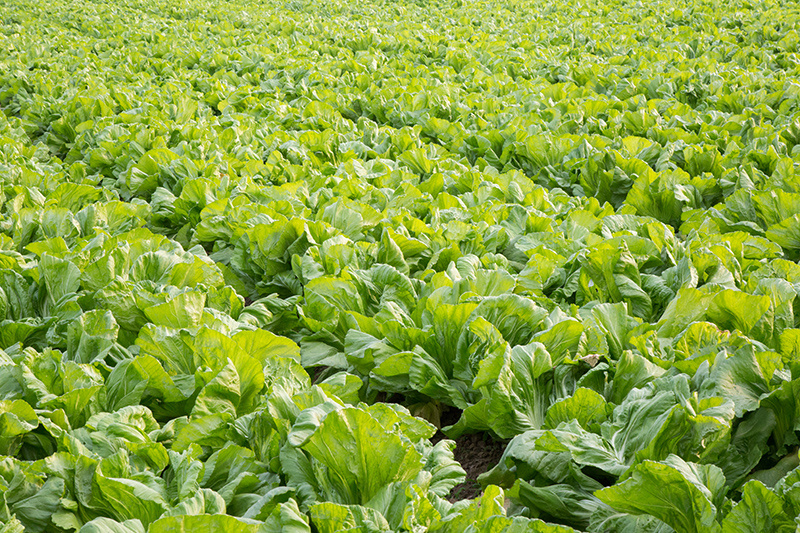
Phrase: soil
(477,454)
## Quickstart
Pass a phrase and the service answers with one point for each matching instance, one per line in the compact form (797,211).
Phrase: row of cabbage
(255,255)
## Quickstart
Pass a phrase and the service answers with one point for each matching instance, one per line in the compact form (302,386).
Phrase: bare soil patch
(477,453)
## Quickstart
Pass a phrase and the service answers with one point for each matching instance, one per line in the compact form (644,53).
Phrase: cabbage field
(414,266)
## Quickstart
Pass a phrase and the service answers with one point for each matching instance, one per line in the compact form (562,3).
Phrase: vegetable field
(274,265)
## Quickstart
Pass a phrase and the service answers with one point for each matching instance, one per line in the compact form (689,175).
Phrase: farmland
(280,266)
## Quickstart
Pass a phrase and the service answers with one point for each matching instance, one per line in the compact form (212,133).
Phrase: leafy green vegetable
(257,259)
